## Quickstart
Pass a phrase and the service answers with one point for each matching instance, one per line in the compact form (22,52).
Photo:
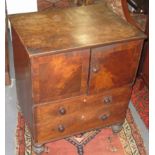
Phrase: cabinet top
(72,28)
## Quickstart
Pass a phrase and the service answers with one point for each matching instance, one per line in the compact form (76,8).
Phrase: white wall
(21,6)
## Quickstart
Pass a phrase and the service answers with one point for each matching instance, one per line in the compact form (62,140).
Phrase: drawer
(60,119)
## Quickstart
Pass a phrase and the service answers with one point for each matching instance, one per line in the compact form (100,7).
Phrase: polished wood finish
(75,74)
(50,111)
(81,29)
(23,78)
(121,8)
(134,19)
(110,72)
(140,19)
(80,114)
(67,77)
(127,15)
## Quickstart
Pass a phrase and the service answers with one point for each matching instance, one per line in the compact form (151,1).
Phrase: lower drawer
(67,117)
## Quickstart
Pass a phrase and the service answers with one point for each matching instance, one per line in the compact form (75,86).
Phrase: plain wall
(21,6)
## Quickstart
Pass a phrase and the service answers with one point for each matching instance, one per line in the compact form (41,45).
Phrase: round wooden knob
(107,99)
(104,116)
(62,111)
(61,128)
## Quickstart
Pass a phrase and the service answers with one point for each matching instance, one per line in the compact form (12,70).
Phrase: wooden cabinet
(75,78)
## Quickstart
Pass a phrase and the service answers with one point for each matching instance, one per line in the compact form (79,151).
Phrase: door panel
(61,75)
(113,65)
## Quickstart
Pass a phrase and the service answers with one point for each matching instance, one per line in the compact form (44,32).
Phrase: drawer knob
(61,128)
(107,99)
(62,111)
(104,117)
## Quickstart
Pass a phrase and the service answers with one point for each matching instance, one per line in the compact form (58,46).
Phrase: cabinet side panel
(23,78)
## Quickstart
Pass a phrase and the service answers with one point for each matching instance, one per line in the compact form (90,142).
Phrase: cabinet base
(38,149)
(117,127)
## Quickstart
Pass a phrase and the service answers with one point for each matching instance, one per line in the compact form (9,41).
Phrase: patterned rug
(140,100)
(97,142)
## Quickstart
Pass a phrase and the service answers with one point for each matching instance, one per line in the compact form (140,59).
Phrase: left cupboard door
(60,76)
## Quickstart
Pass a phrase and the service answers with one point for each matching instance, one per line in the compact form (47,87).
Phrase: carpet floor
(96,142)
(140,100)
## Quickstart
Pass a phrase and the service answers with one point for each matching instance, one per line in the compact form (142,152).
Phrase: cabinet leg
(38,149)
(117,127)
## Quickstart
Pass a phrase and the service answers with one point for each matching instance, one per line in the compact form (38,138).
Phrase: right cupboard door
(113,65)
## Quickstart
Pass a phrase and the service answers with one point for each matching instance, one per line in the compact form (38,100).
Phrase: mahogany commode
(74,70)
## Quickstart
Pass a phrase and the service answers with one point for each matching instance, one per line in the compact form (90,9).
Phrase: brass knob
(62,111)
(107,99)
(104,116)
(61,128)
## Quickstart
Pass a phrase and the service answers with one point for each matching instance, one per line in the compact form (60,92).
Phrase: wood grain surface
(114,65)
(73,28)
(23,79)
(60,76)
(81,114)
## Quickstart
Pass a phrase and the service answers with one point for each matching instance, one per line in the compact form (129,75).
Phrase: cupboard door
(113,65)
(60,76)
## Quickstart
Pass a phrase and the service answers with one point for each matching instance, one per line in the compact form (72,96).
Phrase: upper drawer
(60,75)
(113,65)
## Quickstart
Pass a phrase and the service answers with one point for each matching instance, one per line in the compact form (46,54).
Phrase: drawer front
(113,65)
(60,119)
(60,76)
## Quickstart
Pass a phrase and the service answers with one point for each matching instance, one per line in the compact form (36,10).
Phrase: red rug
(140,100)
(97,142)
